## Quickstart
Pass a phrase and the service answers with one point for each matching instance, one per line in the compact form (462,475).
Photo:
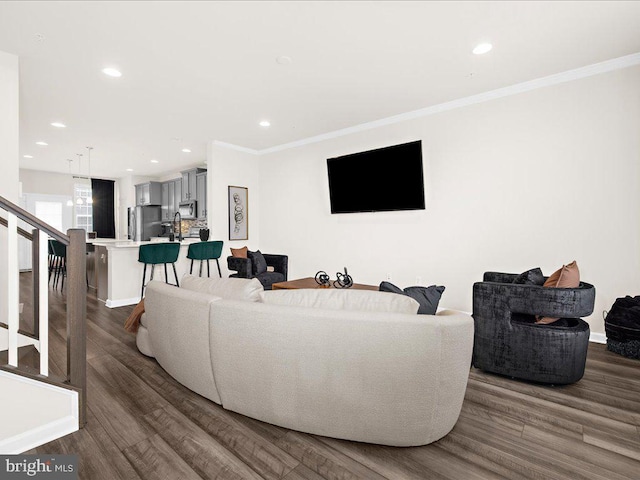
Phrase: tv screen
(378,180)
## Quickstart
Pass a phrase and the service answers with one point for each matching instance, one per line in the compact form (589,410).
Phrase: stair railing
(75,241)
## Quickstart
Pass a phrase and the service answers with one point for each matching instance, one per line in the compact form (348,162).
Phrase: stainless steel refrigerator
(144,222)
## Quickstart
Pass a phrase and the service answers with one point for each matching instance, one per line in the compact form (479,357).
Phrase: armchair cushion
(258,262)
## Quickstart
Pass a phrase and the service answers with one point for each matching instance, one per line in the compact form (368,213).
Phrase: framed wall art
(238,213)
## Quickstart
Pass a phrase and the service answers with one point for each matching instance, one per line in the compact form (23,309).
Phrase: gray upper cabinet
(165,201)
(171,204)
(201,195)
(177,195)
(171,198)
(149,193)
(189,183)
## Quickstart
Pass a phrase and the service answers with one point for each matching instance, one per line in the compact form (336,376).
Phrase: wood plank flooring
(142,424)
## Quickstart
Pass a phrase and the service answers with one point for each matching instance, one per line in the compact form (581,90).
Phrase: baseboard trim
(598,338)
(122,302)
(47,432)
(39,436)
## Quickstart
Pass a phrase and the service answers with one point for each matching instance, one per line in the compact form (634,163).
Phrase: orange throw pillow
(239,252)
(133,321)
(566,277)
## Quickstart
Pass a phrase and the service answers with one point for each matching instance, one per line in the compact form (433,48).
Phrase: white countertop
(111,243)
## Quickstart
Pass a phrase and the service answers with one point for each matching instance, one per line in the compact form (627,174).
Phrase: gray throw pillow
(530,277)
(427,297)
(258,263)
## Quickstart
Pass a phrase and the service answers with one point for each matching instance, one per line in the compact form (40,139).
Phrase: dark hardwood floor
(142,424)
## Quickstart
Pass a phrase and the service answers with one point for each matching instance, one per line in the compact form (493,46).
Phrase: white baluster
(44,302)
(13,288)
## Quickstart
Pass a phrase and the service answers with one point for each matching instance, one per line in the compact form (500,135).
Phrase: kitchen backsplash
(187,224)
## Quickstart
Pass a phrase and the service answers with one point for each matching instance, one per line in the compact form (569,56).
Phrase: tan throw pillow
(566,277)
(239,252)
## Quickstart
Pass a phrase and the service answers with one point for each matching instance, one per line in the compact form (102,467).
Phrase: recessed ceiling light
(186,150)
(265,123)
(482,48)
(284,60)
(58,124)
(112,72)
(154,161)
(129,169)
(27,156)
(42,144)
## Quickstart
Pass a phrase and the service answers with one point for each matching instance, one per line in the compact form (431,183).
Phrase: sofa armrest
(240,265)
(280,263)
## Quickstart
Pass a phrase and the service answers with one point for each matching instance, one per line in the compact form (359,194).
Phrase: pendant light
(90,198)
(69,202)
(79,199)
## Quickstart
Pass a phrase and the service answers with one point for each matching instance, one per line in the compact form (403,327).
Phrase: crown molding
(238,148)
(555,79)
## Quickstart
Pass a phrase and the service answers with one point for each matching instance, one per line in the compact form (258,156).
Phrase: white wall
(229,167)
(9,122)
(48,183)
(535,179)
(9,126)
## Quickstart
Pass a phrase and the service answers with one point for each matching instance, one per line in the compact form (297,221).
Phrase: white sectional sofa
(344,364)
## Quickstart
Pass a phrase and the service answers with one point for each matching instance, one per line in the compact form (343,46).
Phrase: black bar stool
(205,251)
(158,253)
(58,265)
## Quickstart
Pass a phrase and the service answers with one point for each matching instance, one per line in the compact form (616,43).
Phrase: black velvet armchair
(508,342)
(244,269)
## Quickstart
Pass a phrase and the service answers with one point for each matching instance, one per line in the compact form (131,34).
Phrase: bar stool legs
(166,276)
(175,274)
(144,276)
(208,268)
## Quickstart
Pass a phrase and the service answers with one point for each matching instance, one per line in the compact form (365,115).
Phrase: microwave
(188,210)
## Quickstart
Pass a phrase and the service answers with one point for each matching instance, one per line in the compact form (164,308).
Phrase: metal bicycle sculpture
(343,280)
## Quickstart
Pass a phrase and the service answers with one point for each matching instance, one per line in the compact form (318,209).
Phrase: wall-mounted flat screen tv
(378,180)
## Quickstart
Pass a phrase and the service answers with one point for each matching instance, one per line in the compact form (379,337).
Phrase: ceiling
(200,71)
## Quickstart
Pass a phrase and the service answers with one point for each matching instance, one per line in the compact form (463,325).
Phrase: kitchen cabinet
(201,195)
(171,198)
(149,193)
(177,195)
(165,201)
(189,183)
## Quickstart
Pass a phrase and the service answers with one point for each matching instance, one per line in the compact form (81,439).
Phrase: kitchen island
(119,274)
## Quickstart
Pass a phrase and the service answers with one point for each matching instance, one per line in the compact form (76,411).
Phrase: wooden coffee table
(310,282)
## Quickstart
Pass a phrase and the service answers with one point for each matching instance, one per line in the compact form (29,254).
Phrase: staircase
(36,407)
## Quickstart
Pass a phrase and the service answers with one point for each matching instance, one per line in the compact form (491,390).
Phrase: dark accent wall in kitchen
(104,223)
